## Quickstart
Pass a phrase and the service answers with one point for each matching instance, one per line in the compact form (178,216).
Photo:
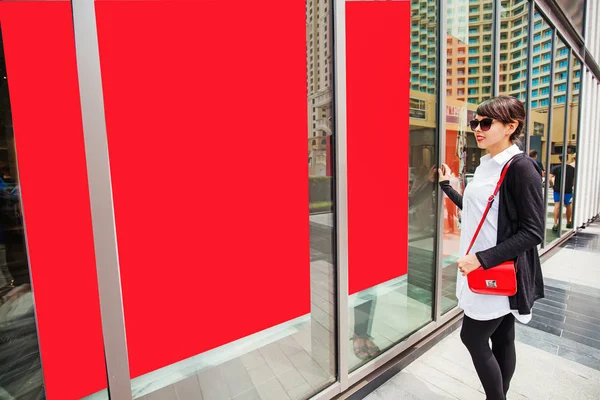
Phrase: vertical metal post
(496,29)
(341,190)
(578,143)
(529,80)
(549,139)
(101,200)
(441,150)
(565,152)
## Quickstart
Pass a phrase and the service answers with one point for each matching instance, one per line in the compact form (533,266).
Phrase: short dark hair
(533,153)
(505,109)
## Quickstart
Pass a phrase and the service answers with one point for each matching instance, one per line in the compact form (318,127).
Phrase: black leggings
(494,366)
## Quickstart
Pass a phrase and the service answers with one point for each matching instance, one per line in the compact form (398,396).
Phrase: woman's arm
(527,192)
(452,194)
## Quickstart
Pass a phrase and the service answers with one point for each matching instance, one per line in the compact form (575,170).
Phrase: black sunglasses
(485,124)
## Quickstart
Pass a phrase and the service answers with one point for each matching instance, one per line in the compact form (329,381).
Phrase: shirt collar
(507,154)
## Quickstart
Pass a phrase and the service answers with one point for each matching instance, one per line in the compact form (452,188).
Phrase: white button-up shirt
(475,200)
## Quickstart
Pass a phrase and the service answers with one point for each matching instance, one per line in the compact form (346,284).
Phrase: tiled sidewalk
(558,353)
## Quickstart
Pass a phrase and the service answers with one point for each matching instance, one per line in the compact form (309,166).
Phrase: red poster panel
(378,78)
(206,108)
(44,96)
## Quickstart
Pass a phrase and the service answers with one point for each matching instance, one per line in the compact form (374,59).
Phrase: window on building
(535,81)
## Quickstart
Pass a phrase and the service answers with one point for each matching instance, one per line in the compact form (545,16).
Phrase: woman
(512,230)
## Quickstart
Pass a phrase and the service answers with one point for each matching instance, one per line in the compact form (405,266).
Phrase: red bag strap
(490,202)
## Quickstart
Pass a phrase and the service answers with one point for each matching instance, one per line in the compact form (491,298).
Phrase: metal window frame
(549,139)
(530,29)
(578,141)
(113,324)
(341,171)
(496,32)
(565,147)
(101,199)
(440,138)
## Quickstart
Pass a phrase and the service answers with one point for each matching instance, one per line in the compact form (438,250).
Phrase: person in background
(556,181)
(534,154)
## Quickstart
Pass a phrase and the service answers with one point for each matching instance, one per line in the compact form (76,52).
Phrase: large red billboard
(378,78)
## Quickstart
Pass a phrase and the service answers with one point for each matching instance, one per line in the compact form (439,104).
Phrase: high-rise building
(319,64)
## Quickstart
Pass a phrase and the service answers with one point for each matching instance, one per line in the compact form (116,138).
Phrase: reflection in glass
(383,315)
(557,197)
(513,53)
(20,364)
(571,146)
(538,124)
(468,83)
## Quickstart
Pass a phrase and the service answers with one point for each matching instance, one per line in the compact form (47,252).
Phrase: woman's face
(498,135)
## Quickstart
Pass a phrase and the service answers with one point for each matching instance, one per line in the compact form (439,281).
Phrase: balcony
(324,125)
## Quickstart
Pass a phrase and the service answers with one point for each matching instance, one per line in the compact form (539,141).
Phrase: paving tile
(549,315)
(272,390)
(275,358)
(213,385)
(582,339)
(260,374)
(444,382)
(252,360)
(524,337)
(552,303)
(453,370)
(236,376)
(251,394)
(579,357)
(590,333)
(301,392)
(584,307)
(188,389)
(570,321)
(545,327)
(409,386)
(166,393)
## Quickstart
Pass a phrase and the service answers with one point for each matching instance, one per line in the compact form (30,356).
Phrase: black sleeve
(452,194)
(527,192)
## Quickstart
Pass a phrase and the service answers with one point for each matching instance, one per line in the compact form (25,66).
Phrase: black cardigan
(521,225)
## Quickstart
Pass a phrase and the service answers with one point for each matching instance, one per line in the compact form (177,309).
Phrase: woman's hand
(444,173)
(468,264)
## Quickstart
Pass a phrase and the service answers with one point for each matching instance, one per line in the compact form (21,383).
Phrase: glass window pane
(257,296)
(571,147)
(557,198)
(462,154)
(384,314)
(513,68)
(20,377)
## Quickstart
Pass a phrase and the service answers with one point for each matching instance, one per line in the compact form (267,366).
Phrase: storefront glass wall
(20,363)
(293,343)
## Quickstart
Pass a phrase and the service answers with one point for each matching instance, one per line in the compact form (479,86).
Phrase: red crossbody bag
(500,280)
